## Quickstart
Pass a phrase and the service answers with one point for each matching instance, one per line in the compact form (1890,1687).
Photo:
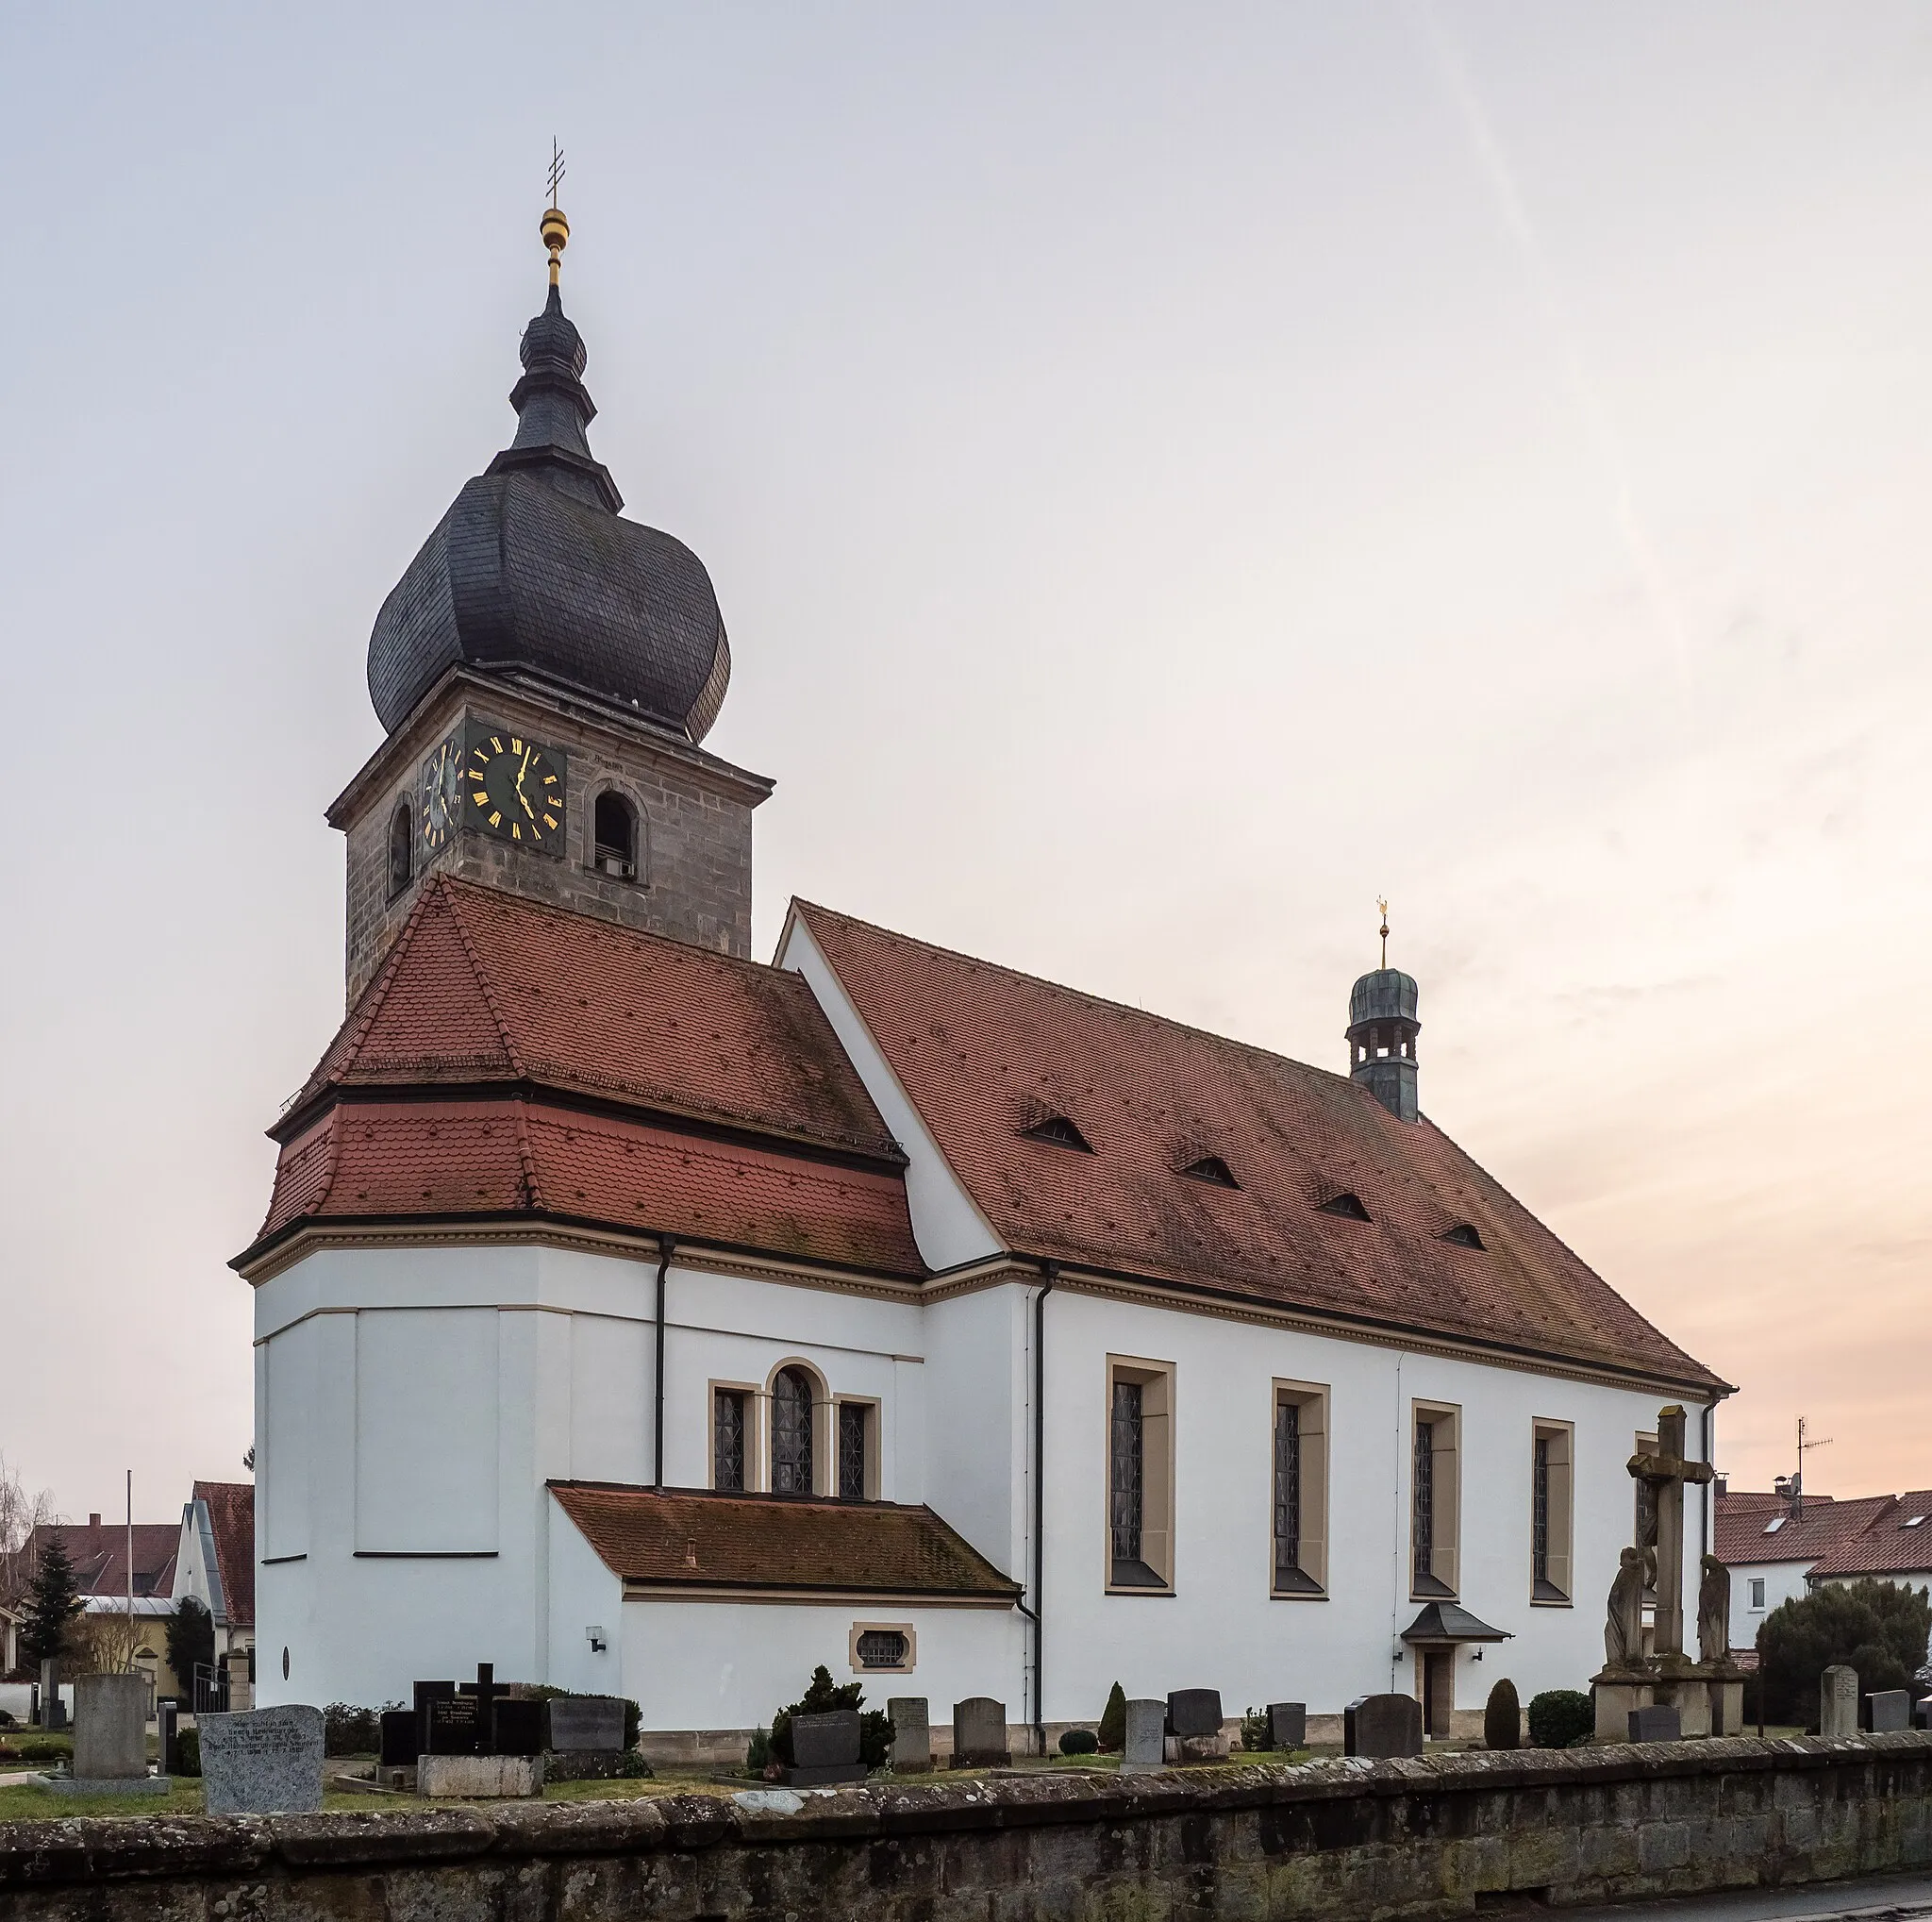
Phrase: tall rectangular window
(1301,1489)
(855,1449)
(1140,1475)
(728,1437)
(1435,1500)
(1551,1487)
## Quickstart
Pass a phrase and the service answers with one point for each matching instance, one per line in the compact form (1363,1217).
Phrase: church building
(647,1318)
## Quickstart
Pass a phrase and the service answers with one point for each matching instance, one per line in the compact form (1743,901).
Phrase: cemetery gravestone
(400,1742)
(1838,1703)
(1287,1725)
(1921,1715)
(110,1735)
(167,1738)
(825,1749)
(53,1715)
(1193,1722)
(911,1734)
(449,1726)
(584,1724)
(1382,1725)
(263,1762)
(517,1727)
(1660,1722)
(1891,1710)
(1144,1750)
(979,1733)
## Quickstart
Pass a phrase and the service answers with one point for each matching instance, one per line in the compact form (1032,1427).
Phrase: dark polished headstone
(398,1745)
(1287,1725)
(1193,1711)
(1660,1722)
(517,1727)
(825,1749)
(581,1724)
(1890,1710)
(450,1726)
(1383,1725)
(167,1738)
(979,1733)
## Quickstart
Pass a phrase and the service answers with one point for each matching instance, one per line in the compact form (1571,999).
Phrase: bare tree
(20,1515)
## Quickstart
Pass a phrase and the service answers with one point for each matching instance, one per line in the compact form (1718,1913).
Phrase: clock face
(442,793)
(514,788)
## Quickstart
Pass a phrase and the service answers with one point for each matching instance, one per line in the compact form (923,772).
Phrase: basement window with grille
(1348,1206)
(882,1648)
(1061,1132)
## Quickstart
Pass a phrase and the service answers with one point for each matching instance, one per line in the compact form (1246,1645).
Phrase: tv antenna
(1798,1480)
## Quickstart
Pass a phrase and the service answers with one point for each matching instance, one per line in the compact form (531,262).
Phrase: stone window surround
(754,1434)
(1446,1485)
(875,1424)
(600,784)
(1157,1471)
(825,1424)
(905,1629)
(1313,1558)
(401,866)
(1561,1435)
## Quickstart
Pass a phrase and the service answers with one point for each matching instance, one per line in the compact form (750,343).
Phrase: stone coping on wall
(95,1848)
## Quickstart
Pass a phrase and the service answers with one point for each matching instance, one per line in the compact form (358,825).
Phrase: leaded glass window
(1423,1521)
(853,1426)
(728,1438)
(1288,1492)
(1127,1476)
(1539,1514)
(792,1438)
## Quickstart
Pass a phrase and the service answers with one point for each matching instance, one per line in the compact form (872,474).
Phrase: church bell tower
(1382,1028)
(546,672)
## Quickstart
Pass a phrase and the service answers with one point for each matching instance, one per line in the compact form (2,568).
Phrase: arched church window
(401,850)
(614,836)
(792,1436)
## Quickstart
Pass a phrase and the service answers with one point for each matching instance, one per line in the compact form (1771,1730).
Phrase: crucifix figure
(1665,1475)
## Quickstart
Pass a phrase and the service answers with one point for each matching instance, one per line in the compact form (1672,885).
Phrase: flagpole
(130,1571)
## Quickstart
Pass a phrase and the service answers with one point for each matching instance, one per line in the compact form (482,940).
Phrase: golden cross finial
(556,229)
(1384,906)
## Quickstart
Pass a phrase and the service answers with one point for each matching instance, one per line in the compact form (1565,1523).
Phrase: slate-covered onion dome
(1385,994)
(533,571)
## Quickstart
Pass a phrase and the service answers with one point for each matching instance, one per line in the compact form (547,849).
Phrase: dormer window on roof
(1349,1206)
(1464,1235)
(1060,1131)
(1211,1168)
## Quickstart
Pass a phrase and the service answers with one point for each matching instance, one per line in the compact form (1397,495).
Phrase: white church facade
(644,1319)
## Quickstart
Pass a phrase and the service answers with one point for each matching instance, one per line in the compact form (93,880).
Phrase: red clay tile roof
(490,1160)
(483,987)
(701,1539)
(99,1555)
(231,1515)
(1892,1544)
(984,1053)
(1739,1525)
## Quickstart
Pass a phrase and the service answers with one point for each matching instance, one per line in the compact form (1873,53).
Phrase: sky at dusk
(1170,474)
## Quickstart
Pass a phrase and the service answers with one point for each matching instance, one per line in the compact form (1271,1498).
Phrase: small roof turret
(1382,1029)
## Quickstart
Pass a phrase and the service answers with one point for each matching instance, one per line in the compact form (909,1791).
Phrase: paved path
(1885,1898)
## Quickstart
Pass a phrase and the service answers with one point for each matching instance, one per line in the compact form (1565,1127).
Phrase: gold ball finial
(556,231)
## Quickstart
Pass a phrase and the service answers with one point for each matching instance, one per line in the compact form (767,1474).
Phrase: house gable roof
(231,1519)
(1897,1542)
(99,1555)
(984,1053)
(1743,1530)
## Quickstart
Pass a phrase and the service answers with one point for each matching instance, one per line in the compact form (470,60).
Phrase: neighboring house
(1778,1548)
(98,1552)
(152,1615)
(215,1563)
(10,1640)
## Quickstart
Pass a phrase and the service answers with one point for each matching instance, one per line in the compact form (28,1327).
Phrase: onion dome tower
(531,573)
(1382,1028)
(546,672)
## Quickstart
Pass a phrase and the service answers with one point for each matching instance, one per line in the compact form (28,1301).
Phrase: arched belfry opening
(402,849)
(614,836)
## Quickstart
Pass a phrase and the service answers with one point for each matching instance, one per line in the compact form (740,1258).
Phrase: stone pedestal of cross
(1667,1474)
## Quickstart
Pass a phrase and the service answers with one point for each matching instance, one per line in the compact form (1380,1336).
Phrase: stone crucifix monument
(1707,1691)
